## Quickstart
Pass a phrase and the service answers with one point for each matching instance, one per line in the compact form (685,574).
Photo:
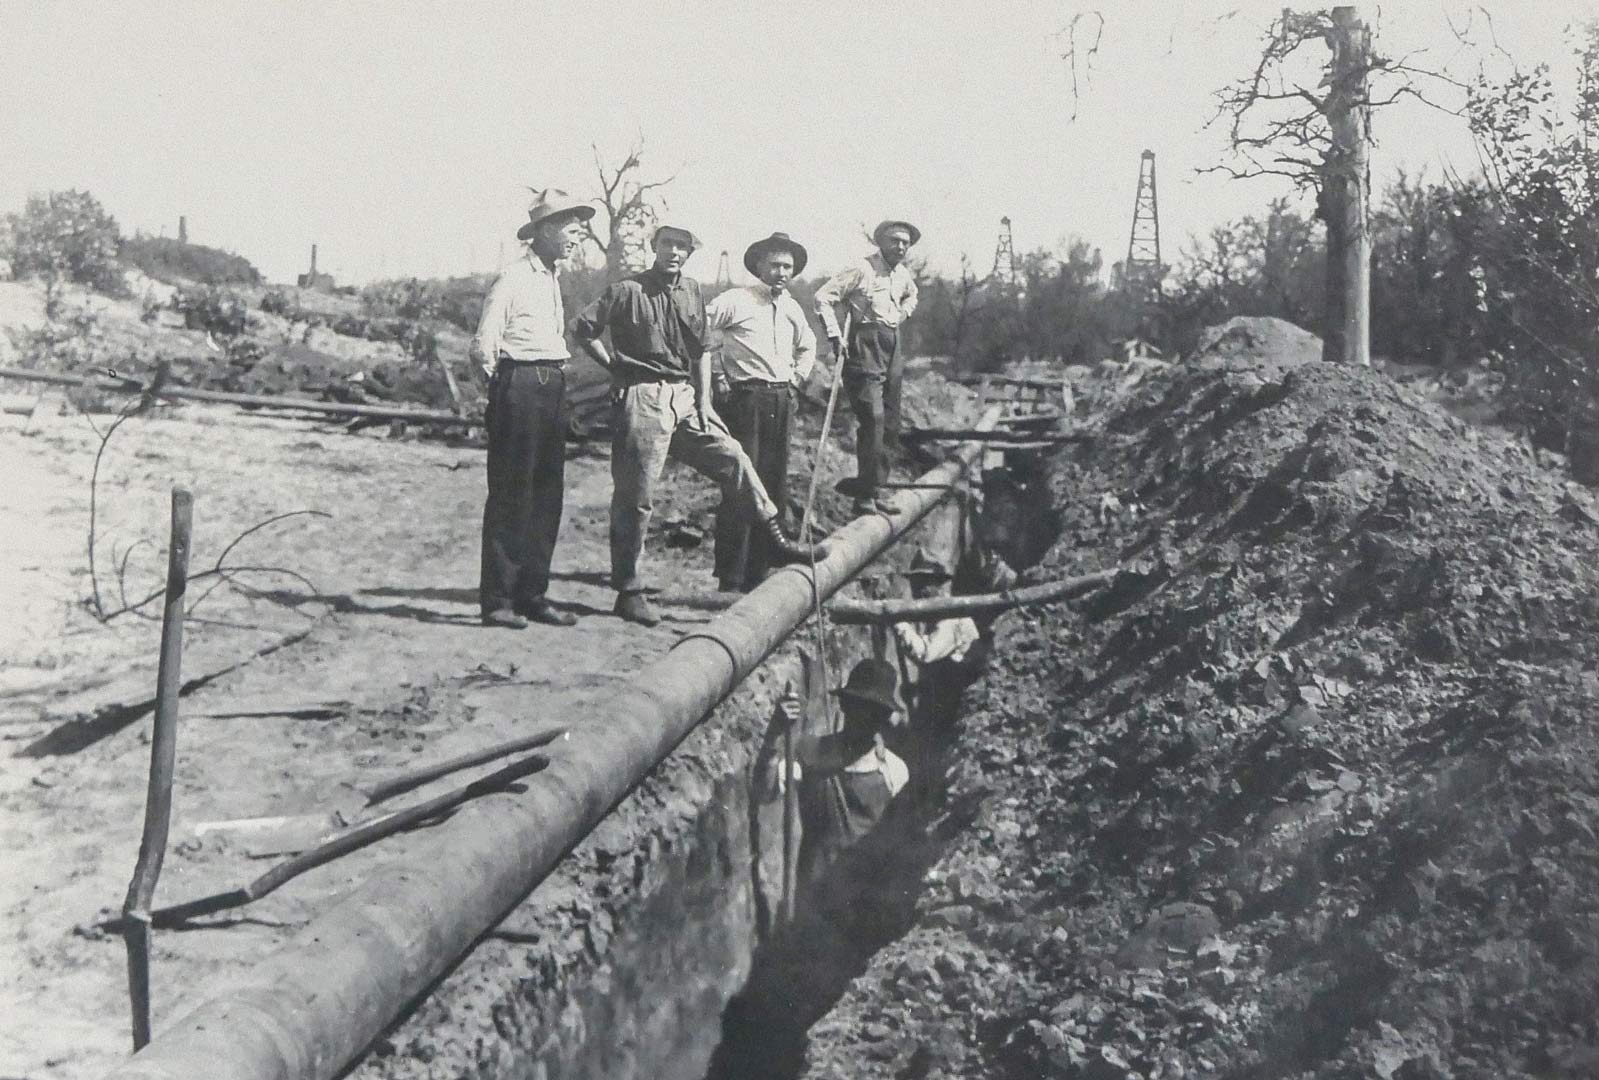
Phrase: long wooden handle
(821,440)
(414,778)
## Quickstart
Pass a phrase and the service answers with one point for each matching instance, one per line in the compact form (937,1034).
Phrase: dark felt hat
(776,242)
(549,203)
(884,226)
(872,682)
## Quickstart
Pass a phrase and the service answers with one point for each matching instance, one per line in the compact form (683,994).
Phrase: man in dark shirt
(661,406)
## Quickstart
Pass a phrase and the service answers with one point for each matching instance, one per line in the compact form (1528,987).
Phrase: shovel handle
(413,778)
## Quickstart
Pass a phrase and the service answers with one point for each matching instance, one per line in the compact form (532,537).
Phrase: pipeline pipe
(312,1007)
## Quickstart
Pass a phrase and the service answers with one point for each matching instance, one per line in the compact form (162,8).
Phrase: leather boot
(783,550)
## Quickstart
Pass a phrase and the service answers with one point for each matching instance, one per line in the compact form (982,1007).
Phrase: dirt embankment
(1315,796)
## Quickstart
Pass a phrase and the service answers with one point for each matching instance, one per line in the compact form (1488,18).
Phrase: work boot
(542,611)
(635,607)
(783,550)
(504,617)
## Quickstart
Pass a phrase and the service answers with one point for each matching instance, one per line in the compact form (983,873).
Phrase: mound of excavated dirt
(1313,794)
(1251,336)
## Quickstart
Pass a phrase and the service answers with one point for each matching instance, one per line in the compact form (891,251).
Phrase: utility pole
(1346,192)
(1143,270)
(1004,271)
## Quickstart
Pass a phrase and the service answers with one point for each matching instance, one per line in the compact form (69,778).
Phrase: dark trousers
(760,416)
(873,372)
(526,422)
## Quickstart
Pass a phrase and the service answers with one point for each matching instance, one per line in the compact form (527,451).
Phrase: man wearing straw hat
(520,350)
(661,406)
(879,293)
(768,350)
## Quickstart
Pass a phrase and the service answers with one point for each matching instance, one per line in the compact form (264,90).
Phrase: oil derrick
(724,275)
(1142,271)
(1004,272)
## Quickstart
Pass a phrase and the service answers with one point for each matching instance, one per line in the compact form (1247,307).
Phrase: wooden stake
(163,758)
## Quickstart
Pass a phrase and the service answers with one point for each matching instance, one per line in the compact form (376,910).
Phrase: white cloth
(523,316)
(872,292)
(879,759)
(768,338)
(948,639)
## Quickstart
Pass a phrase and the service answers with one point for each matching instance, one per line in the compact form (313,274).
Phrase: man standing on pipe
(768,351)
(661,406)
(880,294)
(520,351)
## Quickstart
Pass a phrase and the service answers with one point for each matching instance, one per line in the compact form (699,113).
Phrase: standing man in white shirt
(768,350)
(880,293)
(520,349)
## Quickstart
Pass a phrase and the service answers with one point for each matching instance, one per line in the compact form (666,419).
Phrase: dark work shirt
(657,327)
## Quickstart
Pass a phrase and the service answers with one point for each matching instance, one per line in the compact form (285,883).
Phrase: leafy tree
(67,236)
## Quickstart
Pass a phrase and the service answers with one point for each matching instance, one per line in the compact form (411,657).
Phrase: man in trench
(520,351)
(767,353)
(848,779)
(661,406)
(879,293)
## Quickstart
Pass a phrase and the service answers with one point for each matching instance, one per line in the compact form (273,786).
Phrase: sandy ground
(395,634)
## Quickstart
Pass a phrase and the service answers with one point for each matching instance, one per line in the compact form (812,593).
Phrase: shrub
(67,235)
(212,309)
(175,261)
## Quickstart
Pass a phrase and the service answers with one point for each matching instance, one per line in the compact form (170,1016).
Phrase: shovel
(290,833)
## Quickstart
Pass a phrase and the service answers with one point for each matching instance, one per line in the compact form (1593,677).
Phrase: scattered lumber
(699,601)
(861,612)
(297,710)
(974,435)
(249,401)
(1011,380)
(352,839)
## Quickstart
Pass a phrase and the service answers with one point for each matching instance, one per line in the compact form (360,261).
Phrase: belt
(864,324)
(753,383)
(559,364)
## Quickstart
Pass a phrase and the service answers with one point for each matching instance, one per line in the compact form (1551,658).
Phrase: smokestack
(183,229)
(313,260)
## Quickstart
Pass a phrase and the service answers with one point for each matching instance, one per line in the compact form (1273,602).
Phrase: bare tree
(1318,135)
(631,207)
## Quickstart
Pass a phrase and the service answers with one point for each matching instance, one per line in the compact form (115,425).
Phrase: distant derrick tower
(724,274)
(1143,270)
(1004,271)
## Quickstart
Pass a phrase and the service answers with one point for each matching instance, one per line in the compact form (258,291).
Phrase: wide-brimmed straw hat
(675,230)
(549,203)
(872,682)
(778,241)
(923,565)
(884,226)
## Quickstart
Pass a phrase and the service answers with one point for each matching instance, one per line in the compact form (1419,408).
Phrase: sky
(402,137)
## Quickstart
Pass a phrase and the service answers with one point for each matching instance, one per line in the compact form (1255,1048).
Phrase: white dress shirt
(523,317)
(766,338)
(872,292)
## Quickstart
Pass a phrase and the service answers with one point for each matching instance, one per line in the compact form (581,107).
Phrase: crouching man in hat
(520,349)
(879,292)
(848,779)
(768,351)
(661,406)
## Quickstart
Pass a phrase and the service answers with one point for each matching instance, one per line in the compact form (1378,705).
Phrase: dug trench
(658,946)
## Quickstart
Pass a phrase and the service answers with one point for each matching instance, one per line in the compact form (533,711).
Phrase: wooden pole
(859,612)
(351,839)
(253,401)
(1349,179)
(163,758)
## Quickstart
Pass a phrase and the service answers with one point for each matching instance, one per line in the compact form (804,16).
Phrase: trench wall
(622,961)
